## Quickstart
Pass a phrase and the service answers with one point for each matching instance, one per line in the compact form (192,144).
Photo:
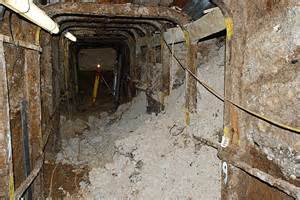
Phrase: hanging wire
(29,6)
(220,97)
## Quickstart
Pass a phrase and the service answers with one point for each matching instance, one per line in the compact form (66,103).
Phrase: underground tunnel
(141,99)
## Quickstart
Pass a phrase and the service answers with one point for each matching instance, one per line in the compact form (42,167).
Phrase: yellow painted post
(229,27)
(96,84)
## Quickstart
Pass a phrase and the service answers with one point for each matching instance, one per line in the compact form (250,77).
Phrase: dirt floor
(129,154)
(132,155)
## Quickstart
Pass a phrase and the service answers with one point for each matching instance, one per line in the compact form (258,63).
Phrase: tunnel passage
(111,40)
(119,27)
(115,86)
(47,82)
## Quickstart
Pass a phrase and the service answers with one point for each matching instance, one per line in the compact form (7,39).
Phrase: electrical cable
(106,84)
(2,13)
(28,1)
(220,97)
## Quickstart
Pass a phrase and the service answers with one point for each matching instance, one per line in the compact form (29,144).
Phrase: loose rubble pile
(134,155)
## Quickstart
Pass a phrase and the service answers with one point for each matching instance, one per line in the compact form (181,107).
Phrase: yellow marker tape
(11,188)
(226,131)
(186,37)
(187,118)
(225,139)
(229,27)
(95,89)
(37,36)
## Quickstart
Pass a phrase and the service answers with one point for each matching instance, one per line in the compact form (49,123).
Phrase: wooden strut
(28,181)
(278,183)
(20,43)
(36,170)
(39,163)
(5,124)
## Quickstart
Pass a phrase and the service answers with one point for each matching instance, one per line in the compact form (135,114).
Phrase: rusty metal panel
(261,74)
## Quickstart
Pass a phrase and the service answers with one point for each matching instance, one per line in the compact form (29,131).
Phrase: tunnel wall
(264,79)
(262,74)
(21,65)
(37,72)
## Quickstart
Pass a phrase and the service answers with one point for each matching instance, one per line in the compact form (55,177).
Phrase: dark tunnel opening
(87,70)
(116,78)
(114,86)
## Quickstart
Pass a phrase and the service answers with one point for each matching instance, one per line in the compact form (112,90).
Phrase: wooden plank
(207,25)
(28,181)
(20,43)
(6,162)
(166,63)
(191,83)
(33,96)
(279,183)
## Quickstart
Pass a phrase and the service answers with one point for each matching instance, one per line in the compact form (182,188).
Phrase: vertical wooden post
(166,65)
(150,63)
(33,97)
(191,83)
(6,162)
(132,57)
(66,46)
(46,81)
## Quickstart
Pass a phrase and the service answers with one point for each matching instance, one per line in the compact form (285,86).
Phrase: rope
(220,97)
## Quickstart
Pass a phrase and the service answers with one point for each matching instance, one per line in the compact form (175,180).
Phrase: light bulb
(70,36)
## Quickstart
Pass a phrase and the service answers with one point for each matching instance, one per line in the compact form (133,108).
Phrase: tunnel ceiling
(194,8)
(98,22)
(123,21)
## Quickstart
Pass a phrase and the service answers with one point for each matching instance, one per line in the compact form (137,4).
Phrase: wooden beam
(191,83)
(207,25)
(166,59)
(20,43)
(33,97)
